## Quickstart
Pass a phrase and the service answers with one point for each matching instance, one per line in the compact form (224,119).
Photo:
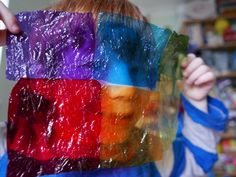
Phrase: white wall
(161,12)
(26,5)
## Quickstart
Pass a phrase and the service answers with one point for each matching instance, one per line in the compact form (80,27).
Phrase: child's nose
(122,92)
(119,101)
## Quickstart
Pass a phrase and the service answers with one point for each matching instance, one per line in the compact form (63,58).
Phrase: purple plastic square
(53,45)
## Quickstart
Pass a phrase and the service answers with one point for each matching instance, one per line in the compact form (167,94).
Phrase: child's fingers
(9,19)
(185,62)
(206,78)
(188,60)
(191,56)
(192,66)
(201,70)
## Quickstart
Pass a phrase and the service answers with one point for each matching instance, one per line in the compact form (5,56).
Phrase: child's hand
(9,20)
(198,78)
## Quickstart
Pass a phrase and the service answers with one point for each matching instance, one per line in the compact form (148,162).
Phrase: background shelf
(208,20)
(218,49)
(227,46)
(224,75)
(229,135)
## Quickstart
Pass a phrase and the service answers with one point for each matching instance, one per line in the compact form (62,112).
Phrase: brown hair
(123,7)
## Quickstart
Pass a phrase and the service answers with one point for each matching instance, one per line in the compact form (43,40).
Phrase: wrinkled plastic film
(128,47)
(52,45)
(101,99)
(54,126)
(168,87)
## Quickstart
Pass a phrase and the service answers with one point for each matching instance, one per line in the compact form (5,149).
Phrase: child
(194,148)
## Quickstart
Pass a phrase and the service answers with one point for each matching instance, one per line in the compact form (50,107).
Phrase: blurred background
(211,26)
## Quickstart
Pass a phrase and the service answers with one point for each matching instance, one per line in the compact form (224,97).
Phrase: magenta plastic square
(52,44)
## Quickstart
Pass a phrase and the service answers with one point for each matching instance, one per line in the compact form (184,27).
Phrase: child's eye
(134,70)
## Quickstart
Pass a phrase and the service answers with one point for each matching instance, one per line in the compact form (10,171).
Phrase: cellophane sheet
(90,94)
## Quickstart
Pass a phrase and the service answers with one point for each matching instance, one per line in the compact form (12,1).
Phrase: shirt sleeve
(200,132)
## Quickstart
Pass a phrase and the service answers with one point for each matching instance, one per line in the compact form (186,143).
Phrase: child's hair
(123,7)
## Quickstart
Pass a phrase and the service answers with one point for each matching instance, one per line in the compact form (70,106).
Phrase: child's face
(104,106)
(122,107)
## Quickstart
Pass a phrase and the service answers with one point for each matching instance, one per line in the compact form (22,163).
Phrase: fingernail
(15,28)
(191,55)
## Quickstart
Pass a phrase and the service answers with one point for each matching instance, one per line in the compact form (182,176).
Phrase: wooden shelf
(189,22)
(209,20)
(226,75)
(222,173)
(226,46)
(228,136)
(230,153)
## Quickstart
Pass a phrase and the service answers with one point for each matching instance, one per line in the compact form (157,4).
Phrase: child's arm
(200,122)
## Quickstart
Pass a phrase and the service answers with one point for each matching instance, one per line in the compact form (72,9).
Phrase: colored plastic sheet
(169,86)
(56,125)
(116,105)
(125,46)
(52,45)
